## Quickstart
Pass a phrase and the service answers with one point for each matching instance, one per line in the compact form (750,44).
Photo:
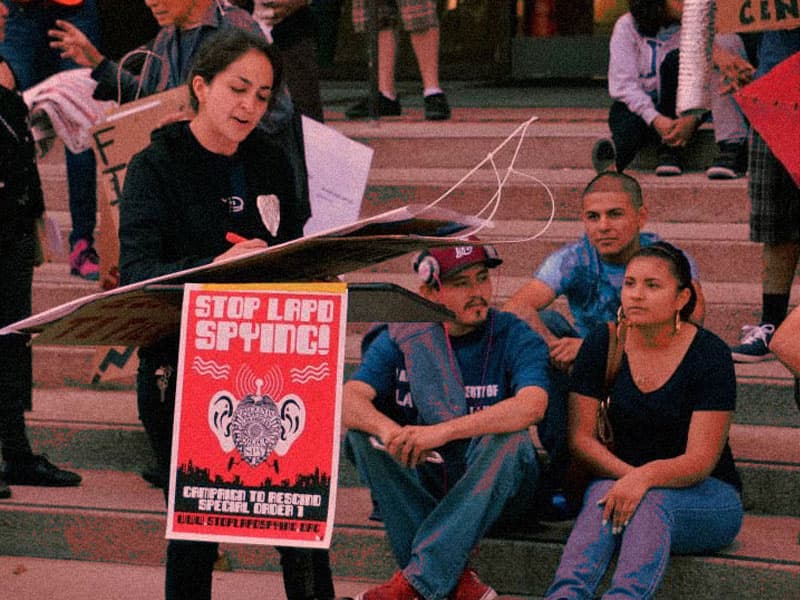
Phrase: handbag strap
(616,346)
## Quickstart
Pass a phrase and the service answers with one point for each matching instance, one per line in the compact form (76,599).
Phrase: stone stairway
(116,517)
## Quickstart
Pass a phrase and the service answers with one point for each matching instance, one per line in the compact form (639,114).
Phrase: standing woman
(194,183)
(670,484)
(21,203)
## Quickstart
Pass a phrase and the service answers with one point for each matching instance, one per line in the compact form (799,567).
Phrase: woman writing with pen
(204,190)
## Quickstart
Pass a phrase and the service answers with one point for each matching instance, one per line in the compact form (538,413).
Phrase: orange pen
(234,238)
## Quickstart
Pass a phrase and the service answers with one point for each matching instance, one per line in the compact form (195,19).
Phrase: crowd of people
(439,415)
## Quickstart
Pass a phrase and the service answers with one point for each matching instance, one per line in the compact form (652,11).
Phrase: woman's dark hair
(679,267)
(649,16)
(225,47)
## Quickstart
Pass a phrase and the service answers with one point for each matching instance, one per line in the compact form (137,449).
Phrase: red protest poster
(256,438)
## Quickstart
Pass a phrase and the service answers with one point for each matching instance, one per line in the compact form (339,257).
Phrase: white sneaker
(754,344)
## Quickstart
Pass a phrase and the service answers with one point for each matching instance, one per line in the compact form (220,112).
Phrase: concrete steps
(100,430)
(114,517)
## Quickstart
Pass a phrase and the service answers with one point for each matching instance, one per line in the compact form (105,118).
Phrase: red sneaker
(397,588)
(470,587)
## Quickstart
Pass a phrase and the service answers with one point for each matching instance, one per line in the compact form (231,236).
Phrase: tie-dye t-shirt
(591,286)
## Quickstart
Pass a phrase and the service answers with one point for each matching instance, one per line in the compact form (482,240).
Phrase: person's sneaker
(436,107)
(5,491)
(386,108)
(83,261)
(731,162)
(470,587)
(397,588)
(754,343)
(603,155)
(37,470)
(669,164)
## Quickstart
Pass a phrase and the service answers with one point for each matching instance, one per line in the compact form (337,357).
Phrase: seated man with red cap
(438,417)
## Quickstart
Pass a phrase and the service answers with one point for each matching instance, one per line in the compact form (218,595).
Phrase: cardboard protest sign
(756,15)
(256,438)
(125,131)
(771,105)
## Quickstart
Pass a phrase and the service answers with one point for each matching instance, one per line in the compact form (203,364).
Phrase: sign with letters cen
(757,15)
(256,438)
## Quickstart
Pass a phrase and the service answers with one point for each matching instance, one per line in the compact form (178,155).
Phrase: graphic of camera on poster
(255,452)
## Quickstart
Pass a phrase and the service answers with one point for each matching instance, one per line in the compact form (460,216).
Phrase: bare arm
(6,77)
(785,343)
(528,301)
(584,445)
(708,432)
(359,412)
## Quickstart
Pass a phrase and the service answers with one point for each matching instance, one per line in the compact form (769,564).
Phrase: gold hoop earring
(620,314)
(677,323)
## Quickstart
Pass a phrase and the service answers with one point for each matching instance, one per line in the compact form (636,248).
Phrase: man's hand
(681,132)
(73,44)
(412,444)
(272,12)
(563,351)
(736,71)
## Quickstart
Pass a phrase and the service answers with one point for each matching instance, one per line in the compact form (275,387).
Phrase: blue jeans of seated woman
(694,520)
(435,515)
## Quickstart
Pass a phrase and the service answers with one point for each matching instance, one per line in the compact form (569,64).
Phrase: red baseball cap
(445,261)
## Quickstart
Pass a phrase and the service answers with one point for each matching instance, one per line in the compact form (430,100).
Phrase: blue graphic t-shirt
(591,285)
(495,362)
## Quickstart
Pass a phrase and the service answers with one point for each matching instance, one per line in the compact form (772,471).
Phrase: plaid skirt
(415,15)
(774,198)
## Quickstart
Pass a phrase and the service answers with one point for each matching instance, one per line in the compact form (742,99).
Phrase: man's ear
(642,216)
(429,292)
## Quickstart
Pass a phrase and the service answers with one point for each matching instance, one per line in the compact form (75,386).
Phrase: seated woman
(669,485)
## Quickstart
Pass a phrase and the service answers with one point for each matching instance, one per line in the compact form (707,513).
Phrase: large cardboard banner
(256,438)
(757,15)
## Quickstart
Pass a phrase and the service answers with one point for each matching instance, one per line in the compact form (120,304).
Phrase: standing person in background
(176,212)
(21,204)
(420,20)
(26,48)
(774,217)
(668,484)
(643,81)
(290,25)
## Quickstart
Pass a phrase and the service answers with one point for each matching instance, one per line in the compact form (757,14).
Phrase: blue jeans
(694,520)
(27,50)
(435,515)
